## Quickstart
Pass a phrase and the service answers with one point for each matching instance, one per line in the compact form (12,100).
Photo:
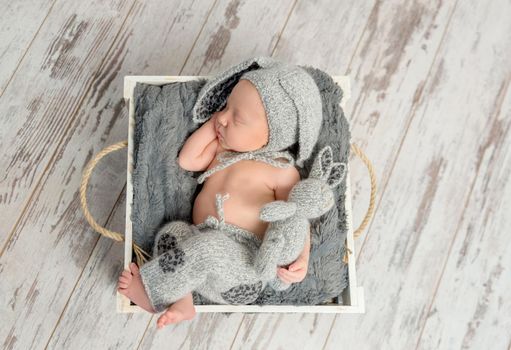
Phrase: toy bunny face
(310,197)
(313,197)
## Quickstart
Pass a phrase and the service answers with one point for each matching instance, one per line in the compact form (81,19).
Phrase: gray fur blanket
(162,191)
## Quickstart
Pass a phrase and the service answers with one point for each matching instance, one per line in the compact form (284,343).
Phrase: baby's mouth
(218,134)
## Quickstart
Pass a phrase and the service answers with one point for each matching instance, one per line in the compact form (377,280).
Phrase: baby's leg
(170,235)
(178,271)
(182,309)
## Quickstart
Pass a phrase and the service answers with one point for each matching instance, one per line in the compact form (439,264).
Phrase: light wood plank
(423,201)
(40,102)
(50,243)
(236,31)
(472,307)
(19,23)
(389,71)
(89,319)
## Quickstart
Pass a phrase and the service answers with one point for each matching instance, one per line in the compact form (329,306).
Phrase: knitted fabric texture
(290,97)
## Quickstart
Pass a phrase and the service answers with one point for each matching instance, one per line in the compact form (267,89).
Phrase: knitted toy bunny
(289,220)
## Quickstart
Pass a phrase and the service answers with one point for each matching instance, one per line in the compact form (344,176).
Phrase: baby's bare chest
(244,178)
(250,186)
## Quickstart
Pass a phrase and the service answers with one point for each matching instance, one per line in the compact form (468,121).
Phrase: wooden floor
(431,107)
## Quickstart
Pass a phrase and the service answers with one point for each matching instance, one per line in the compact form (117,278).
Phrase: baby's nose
(222,119)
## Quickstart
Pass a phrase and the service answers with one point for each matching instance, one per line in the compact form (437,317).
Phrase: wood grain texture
(472,304)
(430,107)
(234,32)
(40,103)
(431,182)
(48,241)
(19,23)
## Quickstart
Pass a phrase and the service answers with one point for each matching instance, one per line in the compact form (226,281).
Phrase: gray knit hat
(290,96)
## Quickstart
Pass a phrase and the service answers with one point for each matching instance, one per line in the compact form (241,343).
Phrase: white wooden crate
(352,297)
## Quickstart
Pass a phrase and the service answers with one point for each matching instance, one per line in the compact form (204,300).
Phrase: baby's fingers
(122,284)
(124,279)
(297,265)
(284,279)
(288,276)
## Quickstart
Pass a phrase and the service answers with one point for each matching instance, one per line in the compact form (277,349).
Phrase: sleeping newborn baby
(252,120)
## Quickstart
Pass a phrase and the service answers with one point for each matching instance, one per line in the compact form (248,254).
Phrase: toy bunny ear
(277,210)
(337,173)
(322,164)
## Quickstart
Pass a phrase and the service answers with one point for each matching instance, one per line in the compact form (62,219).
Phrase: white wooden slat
(19,24)
(38,106)
(389,69)
(472,306)
(46,251)
(235,31)
(89,320)
(425,198)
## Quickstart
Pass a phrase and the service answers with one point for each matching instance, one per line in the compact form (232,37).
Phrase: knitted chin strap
(229,157)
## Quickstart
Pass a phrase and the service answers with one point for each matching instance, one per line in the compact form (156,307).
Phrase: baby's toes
(172,316)
(123,291)
(134,269)
(162,321)
(123,283)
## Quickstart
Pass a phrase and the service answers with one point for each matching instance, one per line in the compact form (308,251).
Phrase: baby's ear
(277,210)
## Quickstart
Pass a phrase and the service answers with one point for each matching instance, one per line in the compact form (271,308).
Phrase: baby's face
(242,125)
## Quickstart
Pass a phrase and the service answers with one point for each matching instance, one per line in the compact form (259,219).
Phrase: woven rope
(140,253)
(355,149)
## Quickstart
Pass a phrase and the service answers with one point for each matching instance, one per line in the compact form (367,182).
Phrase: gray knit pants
(214,258)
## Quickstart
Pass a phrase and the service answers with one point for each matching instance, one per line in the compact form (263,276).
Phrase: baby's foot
(130,284)
(176,313)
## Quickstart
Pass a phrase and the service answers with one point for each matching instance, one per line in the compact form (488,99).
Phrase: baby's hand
(296,272)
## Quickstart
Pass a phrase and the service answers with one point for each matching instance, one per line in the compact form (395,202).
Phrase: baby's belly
(248,191)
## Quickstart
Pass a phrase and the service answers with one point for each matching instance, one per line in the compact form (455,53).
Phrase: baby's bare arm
(284,180)
(200,148)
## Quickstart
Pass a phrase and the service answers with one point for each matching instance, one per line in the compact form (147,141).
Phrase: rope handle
(355,149)
(141,254)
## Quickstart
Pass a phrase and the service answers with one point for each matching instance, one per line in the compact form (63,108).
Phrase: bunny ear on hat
(307,99)
(213,95)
